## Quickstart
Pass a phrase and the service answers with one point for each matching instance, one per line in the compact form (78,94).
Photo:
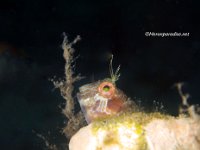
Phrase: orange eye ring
(106,89)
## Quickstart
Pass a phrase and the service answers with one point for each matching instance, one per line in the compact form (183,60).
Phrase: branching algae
(66,86)
(116,123)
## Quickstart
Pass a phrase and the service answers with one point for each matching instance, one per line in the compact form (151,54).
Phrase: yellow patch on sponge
(125,130)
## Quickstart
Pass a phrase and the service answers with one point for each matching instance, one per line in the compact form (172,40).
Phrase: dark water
(30,54)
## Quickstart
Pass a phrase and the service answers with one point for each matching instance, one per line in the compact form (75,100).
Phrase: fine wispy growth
(185,108)
(66,87)
(114,75)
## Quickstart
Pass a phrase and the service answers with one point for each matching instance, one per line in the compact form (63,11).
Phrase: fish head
(101,99)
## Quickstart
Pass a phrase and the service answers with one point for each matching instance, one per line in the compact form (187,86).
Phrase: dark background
(30,54)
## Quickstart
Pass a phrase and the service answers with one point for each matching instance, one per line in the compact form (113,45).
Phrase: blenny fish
(102,99)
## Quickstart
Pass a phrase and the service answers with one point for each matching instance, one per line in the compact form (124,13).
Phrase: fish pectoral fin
(103,103)
(103,106)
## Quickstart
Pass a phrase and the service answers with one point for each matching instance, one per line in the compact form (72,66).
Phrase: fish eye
(106,88)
